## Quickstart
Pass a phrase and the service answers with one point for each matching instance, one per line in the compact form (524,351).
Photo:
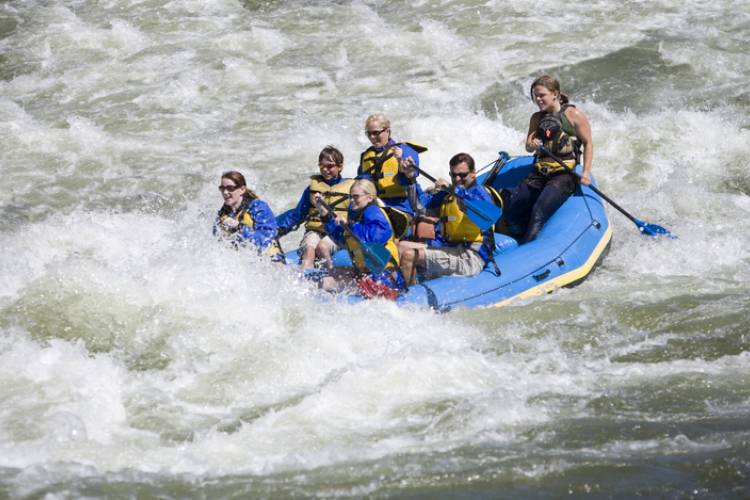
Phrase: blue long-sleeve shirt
(297,214)
(372,226)
(264,228)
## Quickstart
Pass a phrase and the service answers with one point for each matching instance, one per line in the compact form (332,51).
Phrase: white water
(131,343)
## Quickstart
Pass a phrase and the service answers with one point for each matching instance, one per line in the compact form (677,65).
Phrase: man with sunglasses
(460,248)
(382,163)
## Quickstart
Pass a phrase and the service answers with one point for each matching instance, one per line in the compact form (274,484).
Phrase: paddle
(376,255)
(482,213)
(643,227)
(502,159)
(290,229)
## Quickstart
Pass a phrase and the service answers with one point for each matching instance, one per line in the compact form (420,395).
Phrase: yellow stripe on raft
(567,278)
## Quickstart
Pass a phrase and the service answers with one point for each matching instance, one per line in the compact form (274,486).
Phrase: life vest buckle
(544,170)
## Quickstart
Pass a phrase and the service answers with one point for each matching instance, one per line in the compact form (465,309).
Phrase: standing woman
(244,218)
(561,129)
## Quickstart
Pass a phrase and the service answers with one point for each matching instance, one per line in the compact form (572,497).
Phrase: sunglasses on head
(460,175)
(374,133)
(231,189)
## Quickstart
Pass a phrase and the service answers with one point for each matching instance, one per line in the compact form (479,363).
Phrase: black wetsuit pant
(534,201)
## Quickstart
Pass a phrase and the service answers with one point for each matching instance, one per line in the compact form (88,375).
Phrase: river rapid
(138,357)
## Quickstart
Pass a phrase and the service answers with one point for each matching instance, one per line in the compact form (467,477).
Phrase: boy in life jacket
(246,219)
(460,248)
(380,164)
(334,189)
(367,224)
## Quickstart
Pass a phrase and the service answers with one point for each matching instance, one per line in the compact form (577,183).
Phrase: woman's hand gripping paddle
(376,256)
(643,227)
(340,197)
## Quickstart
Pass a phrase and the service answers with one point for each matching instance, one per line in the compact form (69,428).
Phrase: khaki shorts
(312,238)
(458,260)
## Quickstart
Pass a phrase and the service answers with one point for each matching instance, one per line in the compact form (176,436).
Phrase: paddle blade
(482,213)
(653,230)
(376,257)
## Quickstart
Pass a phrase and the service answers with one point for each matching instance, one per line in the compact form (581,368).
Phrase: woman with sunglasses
(368,224)
(556,132)
(382,164)
(461,248)
(246,219)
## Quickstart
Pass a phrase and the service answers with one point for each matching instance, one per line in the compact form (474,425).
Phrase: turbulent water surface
(139,357)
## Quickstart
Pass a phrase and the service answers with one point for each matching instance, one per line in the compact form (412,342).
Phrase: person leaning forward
(460,248)
(367,223)
(244,219)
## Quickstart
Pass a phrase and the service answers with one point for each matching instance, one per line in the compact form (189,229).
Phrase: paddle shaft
(592,187)
(473,206)
(359,241)
(502,158)
(450,189)
(341,197)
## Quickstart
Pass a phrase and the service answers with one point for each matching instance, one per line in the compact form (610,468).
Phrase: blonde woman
(382,163)
(367,224)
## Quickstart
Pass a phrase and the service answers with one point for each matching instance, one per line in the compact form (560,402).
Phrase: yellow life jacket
(383,167)
(336,196)
(399,221)
(358,257)
(456,226)
(244,218)
(497,199)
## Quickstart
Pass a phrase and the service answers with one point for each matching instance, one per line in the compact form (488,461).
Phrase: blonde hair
(365,185)
(369,188)
(381,118)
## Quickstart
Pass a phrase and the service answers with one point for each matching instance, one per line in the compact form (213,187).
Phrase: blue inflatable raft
(567,249)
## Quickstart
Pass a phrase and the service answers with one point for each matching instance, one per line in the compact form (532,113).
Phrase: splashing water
(137,354)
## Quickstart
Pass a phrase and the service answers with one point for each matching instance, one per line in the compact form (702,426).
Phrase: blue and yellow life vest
(383,167)
(335,196)
(244,218)
(357,254)
(456,226)
(558,136)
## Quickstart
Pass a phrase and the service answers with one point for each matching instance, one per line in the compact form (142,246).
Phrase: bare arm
(583,132)
(532,141)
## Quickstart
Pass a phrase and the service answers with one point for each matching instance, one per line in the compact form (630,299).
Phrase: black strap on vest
(376,169)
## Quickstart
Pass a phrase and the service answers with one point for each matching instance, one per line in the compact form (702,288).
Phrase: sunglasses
(231,189)
(460,175)
(374,133)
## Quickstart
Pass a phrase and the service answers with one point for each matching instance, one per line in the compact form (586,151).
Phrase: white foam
(132,341)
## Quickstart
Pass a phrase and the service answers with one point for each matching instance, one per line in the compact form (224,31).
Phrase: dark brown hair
(331,153)
(239,181)
(462,158)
